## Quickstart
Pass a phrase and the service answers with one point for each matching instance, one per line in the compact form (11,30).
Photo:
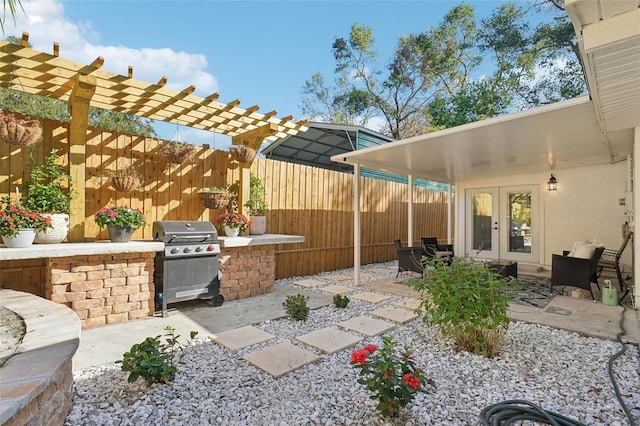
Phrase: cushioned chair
(432,248)
(409,259)
(611,260)
(576,271)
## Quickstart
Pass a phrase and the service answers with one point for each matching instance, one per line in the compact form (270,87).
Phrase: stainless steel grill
(187,269)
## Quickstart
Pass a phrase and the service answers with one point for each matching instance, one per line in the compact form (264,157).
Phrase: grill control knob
(187,250)
(174,250)
(210,247)
(199,249)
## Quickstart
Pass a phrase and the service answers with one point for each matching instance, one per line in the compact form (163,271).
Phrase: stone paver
(408,303)
(329,340)
(241,337)
(395,314)
(367,325)
(337,289)
(370,296)
(310,283)
(280,359)
(339,277)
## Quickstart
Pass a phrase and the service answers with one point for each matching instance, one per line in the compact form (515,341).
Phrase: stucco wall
(585,206)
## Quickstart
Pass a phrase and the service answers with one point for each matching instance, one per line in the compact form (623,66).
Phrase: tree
(432,80)
(11,6)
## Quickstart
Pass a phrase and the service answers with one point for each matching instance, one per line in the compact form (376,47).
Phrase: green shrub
(154,361)
(340,301)
(467,301)
(296,307)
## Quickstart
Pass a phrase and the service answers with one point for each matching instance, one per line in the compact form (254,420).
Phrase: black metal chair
(433,249)
(575,271)
(409,259)
(611,260)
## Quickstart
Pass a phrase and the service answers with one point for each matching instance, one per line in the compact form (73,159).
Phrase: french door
(503,223)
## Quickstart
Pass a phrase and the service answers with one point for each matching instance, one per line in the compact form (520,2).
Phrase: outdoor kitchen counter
(260,240)
(79,249)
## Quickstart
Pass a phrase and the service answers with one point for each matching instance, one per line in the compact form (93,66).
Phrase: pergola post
(84,87)
(251,139)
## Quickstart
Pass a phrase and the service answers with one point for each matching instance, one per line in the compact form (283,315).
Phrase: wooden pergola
(82,86)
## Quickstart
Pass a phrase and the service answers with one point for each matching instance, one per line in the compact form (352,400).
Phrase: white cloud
(46,23)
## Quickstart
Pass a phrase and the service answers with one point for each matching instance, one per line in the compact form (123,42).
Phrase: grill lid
(179,231)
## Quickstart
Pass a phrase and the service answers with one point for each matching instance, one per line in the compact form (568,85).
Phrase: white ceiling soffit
(564,134)
(609,37)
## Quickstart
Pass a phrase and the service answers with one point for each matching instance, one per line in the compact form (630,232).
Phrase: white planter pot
(23,239)
(57,233)
(258,225)
(231,232)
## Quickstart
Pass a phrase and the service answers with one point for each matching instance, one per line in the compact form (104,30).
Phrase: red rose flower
(359,356)
(412,380)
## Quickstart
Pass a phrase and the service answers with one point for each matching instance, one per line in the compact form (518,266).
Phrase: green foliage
(295,305)
(467,301)
(49,189)
(340,301)
(256,203)
(392,378)
(153,360)
(459,71)
(14,217)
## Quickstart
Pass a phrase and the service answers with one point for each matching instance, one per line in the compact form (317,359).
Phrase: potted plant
(233,223)
(18,225)
(256,206)
(120,222)
(125,179)
(216,197)
(177,152)
(19,131)
(49,193)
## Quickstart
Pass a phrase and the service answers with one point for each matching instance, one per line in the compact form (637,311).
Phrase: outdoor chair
(611,260)
(433,249)
(576,270)
(409,259)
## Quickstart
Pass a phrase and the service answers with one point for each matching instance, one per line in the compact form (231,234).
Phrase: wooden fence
(302,200)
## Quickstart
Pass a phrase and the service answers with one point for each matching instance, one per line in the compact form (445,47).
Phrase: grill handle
(201,238)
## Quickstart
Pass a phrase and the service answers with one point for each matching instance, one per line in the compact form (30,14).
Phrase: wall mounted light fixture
(552,185)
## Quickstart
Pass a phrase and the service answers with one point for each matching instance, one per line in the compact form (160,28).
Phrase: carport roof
(315,146)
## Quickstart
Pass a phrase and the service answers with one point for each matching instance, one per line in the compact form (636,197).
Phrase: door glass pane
(519,211)
(482,215)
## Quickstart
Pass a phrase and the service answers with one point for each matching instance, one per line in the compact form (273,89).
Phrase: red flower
(411,380)
(359,356)
(370,348)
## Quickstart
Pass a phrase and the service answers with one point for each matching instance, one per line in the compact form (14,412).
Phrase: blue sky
(260,52)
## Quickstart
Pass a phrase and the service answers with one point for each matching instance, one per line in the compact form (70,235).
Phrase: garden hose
(514,410)
(612,360)
(507,412)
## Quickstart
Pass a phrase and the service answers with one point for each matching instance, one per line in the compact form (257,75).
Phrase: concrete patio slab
(309,283)
(338,289)
(390,286)
(339,277)
(395,314)
(280,359)
(329,340)
(370,296)
(241,337)
(410,304)
(367,325)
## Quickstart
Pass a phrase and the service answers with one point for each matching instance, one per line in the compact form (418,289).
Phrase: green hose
(507,412)
(611,376)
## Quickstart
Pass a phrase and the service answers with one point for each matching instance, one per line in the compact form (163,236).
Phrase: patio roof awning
(564,134)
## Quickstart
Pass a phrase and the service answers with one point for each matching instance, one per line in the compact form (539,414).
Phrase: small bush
(296,307)
(340,301)
(467,301)
(153,360)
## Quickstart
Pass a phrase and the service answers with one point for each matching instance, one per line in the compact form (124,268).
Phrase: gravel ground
(12,331)
(558,370)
